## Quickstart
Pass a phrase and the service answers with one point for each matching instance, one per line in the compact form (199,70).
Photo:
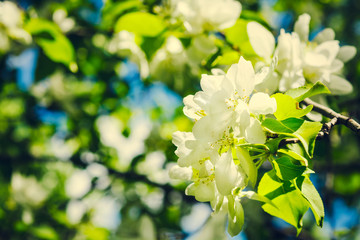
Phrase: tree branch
(341,119)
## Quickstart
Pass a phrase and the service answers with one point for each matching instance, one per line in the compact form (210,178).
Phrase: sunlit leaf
(286,170)
(310,193)
(288,107)
(54,44)
(305,131)
(307,91)
(290,204)
(141,23)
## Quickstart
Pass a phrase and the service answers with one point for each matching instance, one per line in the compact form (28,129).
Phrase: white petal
(254,133)
(242,119)
(339,85)
(316,60)
(191,108)
(202,192)
(243,75)
(336,66)
(261,103)
(211,83)
(269,84)
(261,40)
(325,35)
(179,140)
(301,27)
(346,53)
(226,174)
(329,49)
(182,173)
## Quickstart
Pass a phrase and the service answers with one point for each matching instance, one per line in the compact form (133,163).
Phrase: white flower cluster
(296,60)
(206,15)
(226,113)
(11,25)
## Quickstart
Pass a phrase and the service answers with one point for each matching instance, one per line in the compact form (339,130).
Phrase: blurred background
(87,113)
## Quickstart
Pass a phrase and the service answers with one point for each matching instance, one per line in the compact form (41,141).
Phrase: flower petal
(301,27)
(243,75)
(182,173)
(346,53)
(226,174)
(254,133)
(261,103)
(261,40)
(191,109)
(325,35)
(339,85)
(202,192)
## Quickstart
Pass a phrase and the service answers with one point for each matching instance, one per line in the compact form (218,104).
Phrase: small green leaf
(312,196)
(141,23)
(293,155)
(227,58)
(290,203)
(238,37)
(53,42)
(112,10)
(273,144)
(307,134)
(286,126)
(305,131)
(286,170)
(288,107)
(306,91)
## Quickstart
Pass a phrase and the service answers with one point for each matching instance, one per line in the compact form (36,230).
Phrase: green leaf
(151,44)
(238,37)
(273,144)
(255,16)
(293,155)
(312,196)
(307,134)
(141,23)
(306,91)
(288,107)
(289,201)
(286,126)
(112,10)
(235,216)
(53,42)
(227,58)
(286,170)
(305,131)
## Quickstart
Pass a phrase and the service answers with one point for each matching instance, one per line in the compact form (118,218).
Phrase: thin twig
(341,119)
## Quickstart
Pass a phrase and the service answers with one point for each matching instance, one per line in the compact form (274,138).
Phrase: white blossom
(206,15)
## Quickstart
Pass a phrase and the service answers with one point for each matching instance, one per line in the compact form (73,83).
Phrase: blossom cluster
(296,60)
(227,113)
(11,26)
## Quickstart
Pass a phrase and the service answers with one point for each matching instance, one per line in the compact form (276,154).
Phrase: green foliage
(237,36)
(288,107)
(312,196)
(286,170)
(49,37)
(144,24)
(307,91)
(289,202)
(303,130)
